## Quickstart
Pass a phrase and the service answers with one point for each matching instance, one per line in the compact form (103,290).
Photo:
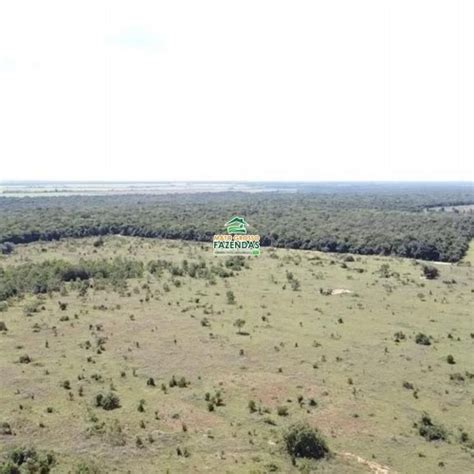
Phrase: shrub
(422,339)
(5,428)
(429,430)
(430,272)
(450,359)
(6,248)
(107,402)
(302,441)
(295,284)
(239,324)
(230,297)
(399,336)
(24,359)
(282,411)
(27,460)
(457,377)
(99,242)
(3,326)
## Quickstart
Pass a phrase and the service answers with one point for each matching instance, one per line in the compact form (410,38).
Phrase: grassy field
(327,339)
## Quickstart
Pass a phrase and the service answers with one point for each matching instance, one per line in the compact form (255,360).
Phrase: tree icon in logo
(236,225)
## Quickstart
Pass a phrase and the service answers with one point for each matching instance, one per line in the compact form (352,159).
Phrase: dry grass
(339,351)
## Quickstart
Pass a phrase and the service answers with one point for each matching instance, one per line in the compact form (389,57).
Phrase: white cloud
(258,90)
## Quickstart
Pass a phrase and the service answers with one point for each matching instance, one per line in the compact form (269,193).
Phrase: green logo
(236,241)
(236,225)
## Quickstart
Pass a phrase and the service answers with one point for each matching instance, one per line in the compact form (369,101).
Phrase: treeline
(222,269)
(50,275)
(369,220)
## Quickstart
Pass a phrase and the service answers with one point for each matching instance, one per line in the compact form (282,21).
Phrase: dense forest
(394,219)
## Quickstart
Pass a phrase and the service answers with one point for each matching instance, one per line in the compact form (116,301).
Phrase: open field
(328,339)
(35,189)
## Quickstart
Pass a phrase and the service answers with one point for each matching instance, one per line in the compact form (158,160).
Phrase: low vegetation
(142,355)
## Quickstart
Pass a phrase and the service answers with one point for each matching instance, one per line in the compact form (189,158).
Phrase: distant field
(328,339)
(61,189)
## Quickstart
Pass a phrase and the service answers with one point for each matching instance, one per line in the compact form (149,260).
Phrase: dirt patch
(340,291)
(374,467)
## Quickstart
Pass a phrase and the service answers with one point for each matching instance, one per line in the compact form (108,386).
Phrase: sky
(224,90)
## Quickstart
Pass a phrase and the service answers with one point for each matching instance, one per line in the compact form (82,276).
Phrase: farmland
(156,356)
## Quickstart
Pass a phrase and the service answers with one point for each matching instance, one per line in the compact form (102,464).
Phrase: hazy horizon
(217,181)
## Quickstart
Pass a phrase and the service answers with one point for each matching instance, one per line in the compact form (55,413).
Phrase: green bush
(27,460)
(422,339)
(450,359)
(107,402)
(302,441)
(5,428)
(230,297)
(430,272)
(24,359)
(431,431)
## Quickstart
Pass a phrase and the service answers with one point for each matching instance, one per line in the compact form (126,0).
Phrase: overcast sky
(237,90)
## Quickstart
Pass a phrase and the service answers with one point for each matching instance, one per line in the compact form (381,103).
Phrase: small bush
(27,460)
(282,411)
(107,402)
(429,430)
(3,326)
(456,377)
(399,336)
(422,339)
(239,324)
(5,428)
(24,359)
(450,359)
(430,272)
(230,297)
(99,242)
(302,441)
